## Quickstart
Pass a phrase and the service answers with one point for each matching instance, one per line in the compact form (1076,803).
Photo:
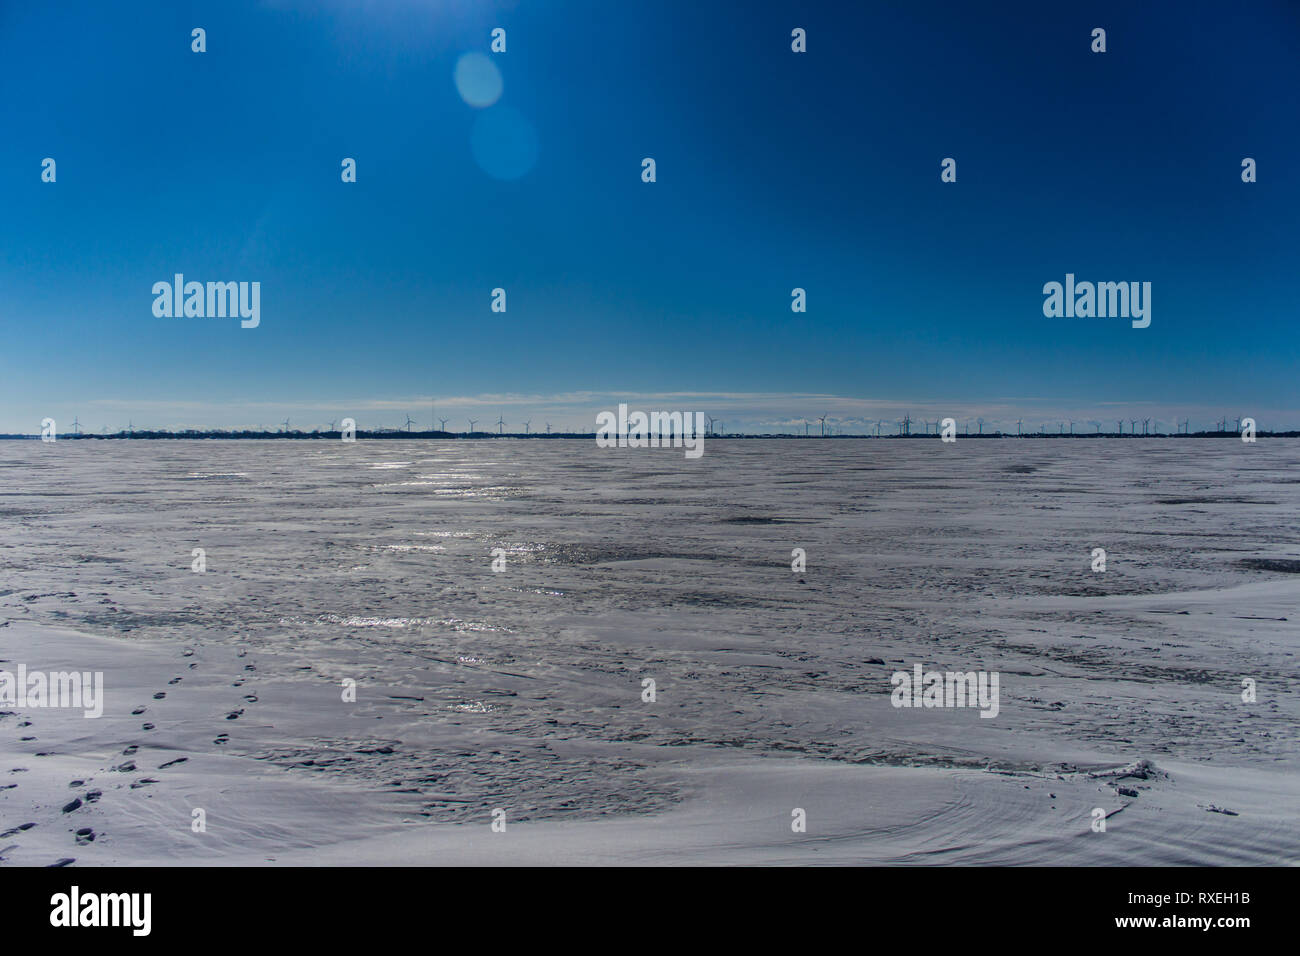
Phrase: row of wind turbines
(1065,426)
(904,426)
(473,422)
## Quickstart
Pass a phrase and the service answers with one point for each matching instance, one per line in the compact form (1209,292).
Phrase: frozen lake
(522,689)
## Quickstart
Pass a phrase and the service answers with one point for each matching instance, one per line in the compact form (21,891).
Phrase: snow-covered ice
(522,690)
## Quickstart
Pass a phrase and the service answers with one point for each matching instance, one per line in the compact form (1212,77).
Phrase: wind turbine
(710,418)
(1019,421)
(409,422)
(76,425)
(286,426)
(1071,426)
(501,424)
(1134,423)
(981,424)
(471,426)
(823,423)
(526,424)
(1145,423)
(548,428)
(1120,422)
(443,423)
(332,425)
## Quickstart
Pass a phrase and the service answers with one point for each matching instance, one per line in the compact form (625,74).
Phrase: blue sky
(775,170)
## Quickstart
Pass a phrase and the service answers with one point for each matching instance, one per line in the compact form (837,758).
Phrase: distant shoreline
(590,436)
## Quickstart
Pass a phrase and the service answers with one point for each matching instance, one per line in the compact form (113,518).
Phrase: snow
(522,690)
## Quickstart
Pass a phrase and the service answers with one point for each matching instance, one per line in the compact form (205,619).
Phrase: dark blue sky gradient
(775,170)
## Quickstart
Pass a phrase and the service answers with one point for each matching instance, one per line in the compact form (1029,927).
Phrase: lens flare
(504,143)
(478,81)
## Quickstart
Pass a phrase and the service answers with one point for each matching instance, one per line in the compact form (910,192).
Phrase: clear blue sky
(775,170)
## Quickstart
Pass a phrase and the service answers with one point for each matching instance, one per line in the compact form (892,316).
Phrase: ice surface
(521,690)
